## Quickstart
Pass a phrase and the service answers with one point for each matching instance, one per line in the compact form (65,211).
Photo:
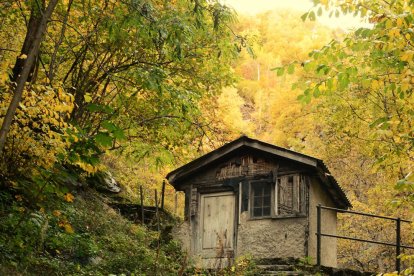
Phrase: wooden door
(216,233)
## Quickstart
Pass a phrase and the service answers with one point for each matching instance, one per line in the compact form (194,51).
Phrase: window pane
(266,200)
(266,189)
(266,211)
(257,212)
(258,202)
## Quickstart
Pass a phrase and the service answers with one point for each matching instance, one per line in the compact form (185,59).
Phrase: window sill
(279,217)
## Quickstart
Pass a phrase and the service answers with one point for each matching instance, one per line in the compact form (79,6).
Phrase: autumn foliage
(138,87)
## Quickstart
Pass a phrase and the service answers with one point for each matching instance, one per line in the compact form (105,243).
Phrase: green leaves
(304,16)
(96,107)
(379,122)
(311,15)
(109,126)
(291,68)
(110,134)
(279,70)
(306,97)
(343,80)
(104,139)
(323,69)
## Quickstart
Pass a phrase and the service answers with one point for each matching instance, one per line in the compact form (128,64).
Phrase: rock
(104,181)
(95,260)
(111,183)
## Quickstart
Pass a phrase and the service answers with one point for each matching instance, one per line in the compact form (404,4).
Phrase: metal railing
(397,244)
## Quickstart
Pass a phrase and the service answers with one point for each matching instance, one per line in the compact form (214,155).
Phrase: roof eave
(194,166)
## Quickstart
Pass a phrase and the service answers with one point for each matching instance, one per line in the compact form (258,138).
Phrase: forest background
(138,88)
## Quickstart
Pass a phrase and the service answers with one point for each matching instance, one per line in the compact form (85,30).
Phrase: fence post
(156,210)
(162,194)
(318,235)
(398,247)
(142,204)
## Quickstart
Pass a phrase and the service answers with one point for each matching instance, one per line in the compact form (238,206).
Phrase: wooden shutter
(290,196)
(285,193)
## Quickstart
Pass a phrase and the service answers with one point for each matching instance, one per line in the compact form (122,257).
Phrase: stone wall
(271,238)
(182,233)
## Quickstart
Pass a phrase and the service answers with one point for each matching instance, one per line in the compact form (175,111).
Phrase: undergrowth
(80,235)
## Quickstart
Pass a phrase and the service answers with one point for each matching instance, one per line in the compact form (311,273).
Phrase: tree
(369,76)
(361,90)
(25,62)
(136,71)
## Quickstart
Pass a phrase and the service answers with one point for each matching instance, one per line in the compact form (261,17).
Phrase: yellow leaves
(3,77)
(68,197)
(87,167)
(71,98)
(400,22)
(75,138)
(389,23)
(375,84)
(87,97)
(56,213)
(405,86)
(407,55)
(21,105)
(23,56)
(66,226)
(40,131)
(394,32)
(322,87)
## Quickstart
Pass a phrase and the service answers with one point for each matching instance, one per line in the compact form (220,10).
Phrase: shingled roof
(330,185)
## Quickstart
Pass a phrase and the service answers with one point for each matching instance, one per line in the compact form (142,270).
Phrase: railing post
(318,235)
(175,203)
(398,245)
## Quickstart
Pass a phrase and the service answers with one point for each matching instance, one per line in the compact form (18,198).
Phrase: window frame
(251,201)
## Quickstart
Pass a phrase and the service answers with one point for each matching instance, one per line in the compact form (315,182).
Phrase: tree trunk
(26,69)
(32,27)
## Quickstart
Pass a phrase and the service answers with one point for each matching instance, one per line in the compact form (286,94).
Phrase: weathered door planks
(217,219)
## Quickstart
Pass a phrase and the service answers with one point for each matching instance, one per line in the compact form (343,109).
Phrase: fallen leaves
(68,197)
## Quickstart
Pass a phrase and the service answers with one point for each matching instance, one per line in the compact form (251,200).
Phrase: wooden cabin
(253,198)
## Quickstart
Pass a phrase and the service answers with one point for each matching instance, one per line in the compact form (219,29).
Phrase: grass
(83,237)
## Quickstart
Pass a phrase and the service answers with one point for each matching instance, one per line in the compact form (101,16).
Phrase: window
(286,197)
(261,194)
